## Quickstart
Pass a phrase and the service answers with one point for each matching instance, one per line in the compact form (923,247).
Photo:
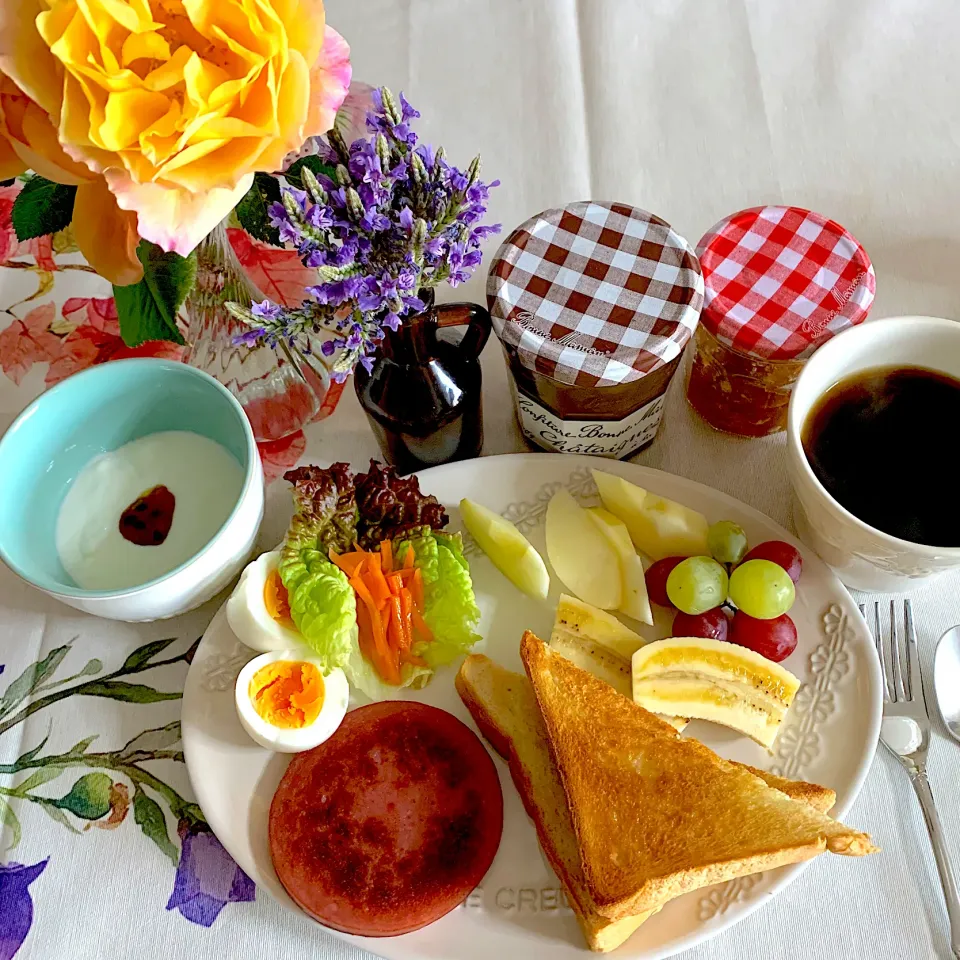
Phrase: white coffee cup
(864,557)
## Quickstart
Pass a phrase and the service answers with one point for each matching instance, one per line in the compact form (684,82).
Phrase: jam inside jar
(614,421)
(737,393)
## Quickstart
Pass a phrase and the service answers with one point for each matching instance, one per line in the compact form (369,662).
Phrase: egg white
(247,613)
(336,695)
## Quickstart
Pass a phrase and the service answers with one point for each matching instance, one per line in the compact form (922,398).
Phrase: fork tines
(899,659)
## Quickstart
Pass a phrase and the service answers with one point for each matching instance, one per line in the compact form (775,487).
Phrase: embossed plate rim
(834,639)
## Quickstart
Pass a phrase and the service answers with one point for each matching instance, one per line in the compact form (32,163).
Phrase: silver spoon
(946,679)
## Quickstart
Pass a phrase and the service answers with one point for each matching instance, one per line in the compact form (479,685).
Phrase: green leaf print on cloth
(83,788)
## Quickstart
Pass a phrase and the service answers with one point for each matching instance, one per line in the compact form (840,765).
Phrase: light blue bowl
(99,410)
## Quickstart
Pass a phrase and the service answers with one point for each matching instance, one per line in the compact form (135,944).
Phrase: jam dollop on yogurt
(147,521)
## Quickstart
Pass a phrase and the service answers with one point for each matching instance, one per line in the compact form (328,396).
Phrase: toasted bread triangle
(656,815)
(504,707)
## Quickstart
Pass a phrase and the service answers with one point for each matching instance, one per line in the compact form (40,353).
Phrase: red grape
(656,578)
(712,625)
(774,639)
(780,553)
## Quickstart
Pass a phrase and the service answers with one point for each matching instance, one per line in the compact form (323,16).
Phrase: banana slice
(716,681)
(599,643)
(591,623)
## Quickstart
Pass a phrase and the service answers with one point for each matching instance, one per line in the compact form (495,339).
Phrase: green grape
(726,541)
(697,584)
(762,589)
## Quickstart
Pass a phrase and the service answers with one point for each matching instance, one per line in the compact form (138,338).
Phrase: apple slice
(658,527)
(581,555)
(509,550)
(634,602)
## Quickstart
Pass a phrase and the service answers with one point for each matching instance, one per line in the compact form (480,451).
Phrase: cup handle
(474,317)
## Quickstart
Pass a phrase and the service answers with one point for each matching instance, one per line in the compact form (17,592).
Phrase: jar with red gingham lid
(778,283)
(593,304)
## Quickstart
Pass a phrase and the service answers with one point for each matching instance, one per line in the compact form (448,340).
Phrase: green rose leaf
(148,815)
(31,678)
(160,738)
(252,209)
(9,819)
(42,207)
(143,655)
(89,797)
(294,175)
(148,310)
(128,692)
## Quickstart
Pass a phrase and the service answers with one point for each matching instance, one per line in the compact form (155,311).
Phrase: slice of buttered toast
(657,815)
(504,707)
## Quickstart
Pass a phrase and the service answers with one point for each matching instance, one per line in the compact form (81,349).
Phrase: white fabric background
(691,109)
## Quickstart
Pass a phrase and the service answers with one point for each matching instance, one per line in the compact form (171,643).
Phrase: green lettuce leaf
(450,608)
(322,605)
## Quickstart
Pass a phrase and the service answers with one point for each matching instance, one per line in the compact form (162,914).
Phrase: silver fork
(905,732)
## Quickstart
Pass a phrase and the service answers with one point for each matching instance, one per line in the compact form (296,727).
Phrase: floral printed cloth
(97,817)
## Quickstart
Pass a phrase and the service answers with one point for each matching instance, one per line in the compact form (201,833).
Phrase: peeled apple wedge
(580,554)
(635,602)
(716,681)
(508,549)
(658,527)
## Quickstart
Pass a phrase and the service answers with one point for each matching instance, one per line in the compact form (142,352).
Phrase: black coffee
(884,444)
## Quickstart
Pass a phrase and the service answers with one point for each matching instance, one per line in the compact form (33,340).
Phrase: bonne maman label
(599,438)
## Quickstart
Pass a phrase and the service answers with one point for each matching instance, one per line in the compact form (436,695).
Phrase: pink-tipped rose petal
(329,82)
(171,217)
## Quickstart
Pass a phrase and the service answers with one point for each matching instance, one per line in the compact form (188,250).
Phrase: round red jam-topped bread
(390,823)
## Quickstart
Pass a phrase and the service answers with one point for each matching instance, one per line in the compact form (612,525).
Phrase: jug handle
(471,315)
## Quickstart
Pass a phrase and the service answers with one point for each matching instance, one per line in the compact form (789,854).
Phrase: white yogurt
(203,476)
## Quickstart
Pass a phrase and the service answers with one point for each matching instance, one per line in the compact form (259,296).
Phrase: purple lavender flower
(207,877)
(266,310)
(397,219)
(16,905)
(282,222)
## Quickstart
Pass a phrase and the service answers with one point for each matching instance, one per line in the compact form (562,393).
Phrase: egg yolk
(287,694)
(276,600)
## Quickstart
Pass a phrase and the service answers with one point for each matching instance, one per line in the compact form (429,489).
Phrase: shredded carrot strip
(408,559)
(365,637)
(396,623)
(374,579)
(390,673)
(406,613)
(421,626)
(417,589)
(386,553)
(395,583)
(347,562)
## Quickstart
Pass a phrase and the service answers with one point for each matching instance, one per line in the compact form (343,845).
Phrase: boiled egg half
(258,610)
(286,702)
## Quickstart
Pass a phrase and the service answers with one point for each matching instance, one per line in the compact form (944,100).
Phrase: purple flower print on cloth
(16,906)
(207,877)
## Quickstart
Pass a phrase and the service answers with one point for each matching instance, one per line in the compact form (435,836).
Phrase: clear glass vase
(279,391)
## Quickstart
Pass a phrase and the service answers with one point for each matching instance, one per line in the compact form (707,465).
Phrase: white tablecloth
(691,110)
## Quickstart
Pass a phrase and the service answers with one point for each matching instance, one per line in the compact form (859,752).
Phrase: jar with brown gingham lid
(593,304)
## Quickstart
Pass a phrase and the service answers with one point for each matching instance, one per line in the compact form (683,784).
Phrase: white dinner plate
(828,737)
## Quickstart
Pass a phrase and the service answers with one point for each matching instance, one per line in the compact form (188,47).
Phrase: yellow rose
(177,104)
(105,234)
